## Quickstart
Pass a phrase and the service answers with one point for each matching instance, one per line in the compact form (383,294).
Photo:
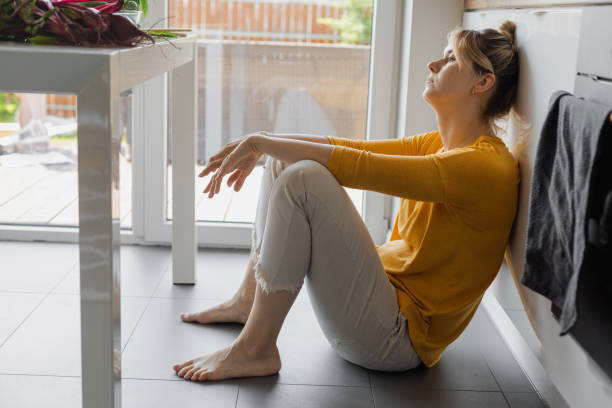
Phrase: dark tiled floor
(40,344)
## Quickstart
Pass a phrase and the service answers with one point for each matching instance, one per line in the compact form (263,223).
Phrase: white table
(98,76)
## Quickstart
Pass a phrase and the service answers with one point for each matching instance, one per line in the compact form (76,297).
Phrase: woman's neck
(459,129)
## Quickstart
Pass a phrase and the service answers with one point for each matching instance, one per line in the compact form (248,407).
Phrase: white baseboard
(524,356)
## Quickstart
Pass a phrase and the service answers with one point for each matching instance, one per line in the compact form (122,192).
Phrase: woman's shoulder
(495,144)
(425,143)
(498,153)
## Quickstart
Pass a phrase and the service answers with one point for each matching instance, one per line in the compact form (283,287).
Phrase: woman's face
(447,82)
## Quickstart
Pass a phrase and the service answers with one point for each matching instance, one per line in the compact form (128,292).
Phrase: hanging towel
(557,227)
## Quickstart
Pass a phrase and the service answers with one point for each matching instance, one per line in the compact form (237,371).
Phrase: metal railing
(288,21)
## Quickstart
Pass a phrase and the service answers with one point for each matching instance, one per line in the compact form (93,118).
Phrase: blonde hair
(493,51)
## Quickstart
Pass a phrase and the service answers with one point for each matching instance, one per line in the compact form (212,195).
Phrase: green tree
(355,26)
(9,104)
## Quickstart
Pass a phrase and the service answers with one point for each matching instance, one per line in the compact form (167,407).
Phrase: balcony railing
(243,87)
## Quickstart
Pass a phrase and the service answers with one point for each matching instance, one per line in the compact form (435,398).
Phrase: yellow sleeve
(461,177)
(412,146)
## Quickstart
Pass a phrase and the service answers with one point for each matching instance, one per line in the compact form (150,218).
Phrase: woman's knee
(305,174)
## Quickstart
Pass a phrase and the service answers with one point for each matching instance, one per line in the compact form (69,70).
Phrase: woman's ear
(484,83)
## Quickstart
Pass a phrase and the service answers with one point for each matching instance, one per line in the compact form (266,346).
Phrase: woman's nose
(432,67)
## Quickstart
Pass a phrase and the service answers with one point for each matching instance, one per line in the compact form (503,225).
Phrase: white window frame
(392,21)
(381,124)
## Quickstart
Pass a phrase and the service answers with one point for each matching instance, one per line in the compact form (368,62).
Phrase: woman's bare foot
(235,310)
(230,362)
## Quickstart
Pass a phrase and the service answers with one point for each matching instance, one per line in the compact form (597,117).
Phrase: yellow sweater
(451,229)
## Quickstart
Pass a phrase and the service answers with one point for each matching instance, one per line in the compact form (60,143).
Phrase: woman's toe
(184,370)
(179,367)
(202,374)
(195,374)
(190,373)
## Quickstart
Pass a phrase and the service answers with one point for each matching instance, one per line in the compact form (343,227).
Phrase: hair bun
(508,29)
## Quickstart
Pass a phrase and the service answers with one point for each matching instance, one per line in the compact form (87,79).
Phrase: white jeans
(307,227)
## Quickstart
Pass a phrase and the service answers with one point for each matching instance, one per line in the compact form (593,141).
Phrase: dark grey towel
(560,189)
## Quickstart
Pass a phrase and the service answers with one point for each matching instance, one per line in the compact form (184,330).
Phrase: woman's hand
(239,156)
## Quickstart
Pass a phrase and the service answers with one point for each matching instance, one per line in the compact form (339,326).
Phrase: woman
(389,307)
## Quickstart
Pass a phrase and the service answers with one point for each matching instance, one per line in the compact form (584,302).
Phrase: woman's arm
(290,150)
(298,136)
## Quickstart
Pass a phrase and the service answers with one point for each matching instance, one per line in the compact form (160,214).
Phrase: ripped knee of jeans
(254,244)
(269,284)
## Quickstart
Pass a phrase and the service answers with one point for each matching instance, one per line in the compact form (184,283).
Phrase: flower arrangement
(74,22)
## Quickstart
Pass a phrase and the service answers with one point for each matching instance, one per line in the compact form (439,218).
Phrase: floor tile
(504,367)
(35,266)
(219,273)
(524,400)
(32,391)
(303,396)
(307,357)
(462,367)
(14,308)
(49,341)
(65,392)
(141,270)
(477,370)
(409,397)
(165,394)
(161,339)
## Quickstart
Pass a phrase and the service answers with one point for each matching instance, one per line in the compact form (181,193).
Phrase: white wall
(548,42)
(425,25)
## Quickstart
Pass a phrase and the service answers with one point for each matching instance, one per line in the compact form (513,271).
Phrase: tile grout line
(46,295)
(41,375)
(168,265)
(136,325)
(544,403)
(504,392)
(371,389)
(237,394)
(501,390)
(146,307)
(312,385)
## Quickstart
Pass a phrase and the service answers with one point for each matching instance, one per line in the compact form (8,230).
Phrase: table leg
(99,240)
(184,148)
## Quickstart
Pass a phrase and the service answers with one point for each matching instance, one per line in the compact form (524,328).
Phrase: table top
(80,50)
(66,69)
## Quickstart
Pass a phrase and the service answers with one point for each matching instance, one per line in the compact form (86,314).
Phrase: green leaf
(43,39)
(71,13)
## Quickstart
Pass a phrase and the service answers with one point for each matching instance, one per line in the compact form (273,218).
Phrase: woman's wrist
(253,141)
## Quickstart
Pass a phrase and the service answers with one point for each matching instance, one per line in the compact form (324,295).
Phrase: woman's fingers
(211,166)
(215,161)
(238,184)
(235,176)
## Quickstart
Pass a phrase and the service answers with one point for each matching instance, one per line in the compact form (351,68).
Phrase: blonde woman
(394,306)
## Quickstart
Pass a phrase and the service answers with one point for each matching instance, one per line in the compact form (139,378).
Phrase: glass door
(284,66)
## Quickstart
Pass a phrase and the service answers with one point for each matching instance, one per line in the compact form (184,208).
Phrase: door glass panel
(283,66)
(38,160)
